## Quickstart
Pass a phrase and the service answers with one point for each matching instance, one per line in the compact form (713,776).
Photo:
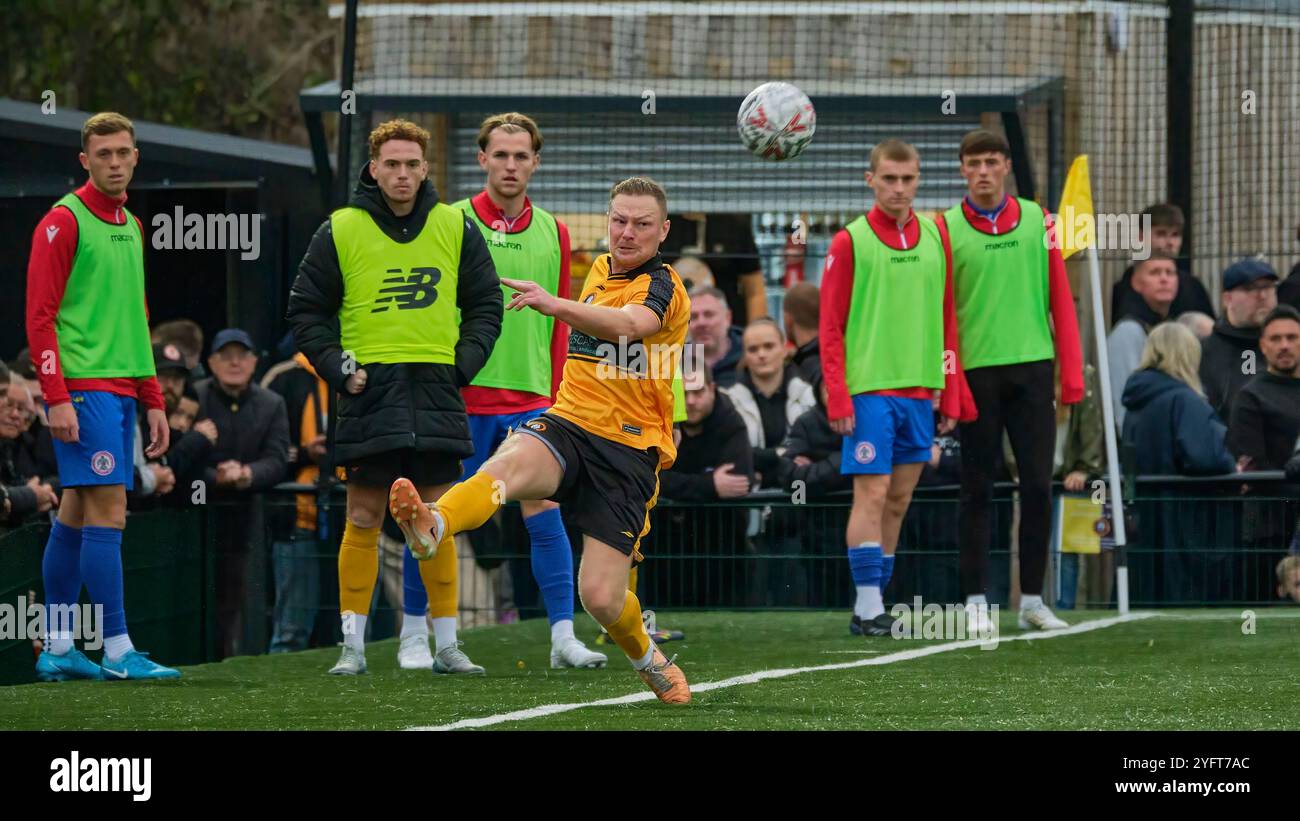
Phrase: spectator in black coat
(714,459)
(251,453)
(811,452)
(1173,430)
(800,312)
(714,462)
(1229,355)
(252,448)
(1266,413)
(191,442)
(1263,434)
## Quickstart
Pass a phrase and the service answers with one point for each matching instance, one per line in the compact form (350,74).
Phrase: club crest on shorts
(536,424)
(102,463)
(865,453)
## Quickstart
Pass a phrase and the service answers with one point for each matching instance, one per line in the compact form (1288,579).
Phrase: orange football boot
(666,679)
(415,518)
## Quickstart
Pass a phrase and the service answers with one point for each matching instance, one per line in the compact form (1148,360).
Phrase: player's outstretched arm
(314,302)
(478,295)
(635,321)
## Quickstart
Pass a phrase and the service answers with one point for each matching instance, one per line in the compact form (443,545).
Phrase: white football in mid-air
(776,121)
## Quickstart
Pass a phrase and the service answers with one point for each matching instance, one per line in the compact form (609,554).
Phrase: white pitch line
(762,675)
(1262,613)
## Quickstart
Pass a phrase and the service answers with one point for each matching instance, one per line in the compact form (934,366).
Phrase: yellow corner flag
(1075,223)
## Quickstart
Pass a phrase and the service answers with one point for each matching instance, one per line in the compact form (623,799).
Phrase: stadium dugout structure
(690,143)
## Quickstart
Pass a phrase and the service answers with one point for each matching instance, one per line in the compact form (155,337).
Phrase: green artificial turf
(1166,672)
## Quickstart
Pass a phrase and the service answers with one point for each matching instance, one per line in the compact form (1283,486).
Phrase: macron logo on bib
(50,231)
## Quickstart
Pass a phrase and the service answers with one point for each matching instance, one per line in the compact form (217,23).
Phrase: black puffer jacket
(1224,370)
(403,405)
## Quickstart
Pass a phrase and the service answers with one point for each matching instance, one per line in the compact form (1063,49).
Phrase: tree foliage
(231,66)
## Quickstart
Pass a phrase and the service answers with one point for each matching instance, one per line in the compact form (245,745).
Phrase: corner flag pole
(1078,197)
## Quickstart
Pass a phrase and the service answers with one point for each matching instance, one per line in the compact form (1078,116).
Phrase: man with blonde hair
(397,306)
(600,448)
(88,332)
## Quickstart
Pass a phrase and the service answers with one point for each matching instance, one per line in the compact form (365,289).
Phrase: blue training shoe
(70,665)
(136,665)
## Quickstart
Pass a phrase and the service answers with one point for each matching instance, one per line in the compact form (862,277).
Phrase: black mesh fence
(237,578)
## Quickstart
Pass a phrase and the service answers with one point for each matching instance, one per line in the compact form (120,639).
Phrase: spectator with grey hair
(21,495)
(719,341)
(34,448)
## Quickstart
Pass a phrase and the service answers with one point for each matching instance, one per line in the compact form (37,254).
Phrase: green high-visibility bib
(102,326)
(894,335)
(521,358)
(399,299)
(1000,288)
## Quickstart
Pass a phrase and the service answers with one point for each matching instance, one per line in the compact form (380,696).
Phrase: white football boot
(451,659)
(572,653)
(1039,617)
(352,662)
(414,654)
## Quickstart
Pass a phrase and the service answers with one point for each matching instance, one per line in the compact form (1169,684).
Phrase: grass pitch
(1178,670)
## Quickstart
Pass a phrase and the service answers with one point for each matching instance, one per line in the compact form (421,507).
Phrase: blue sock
(415,599)
(101,568)
(61,573)
(552,563)
(865,565)
(886,572)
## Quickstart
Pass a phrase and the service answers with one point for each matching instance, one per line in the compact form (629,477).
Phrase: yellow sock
(441,581)
(358,568)
(470,503)
(628,631)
